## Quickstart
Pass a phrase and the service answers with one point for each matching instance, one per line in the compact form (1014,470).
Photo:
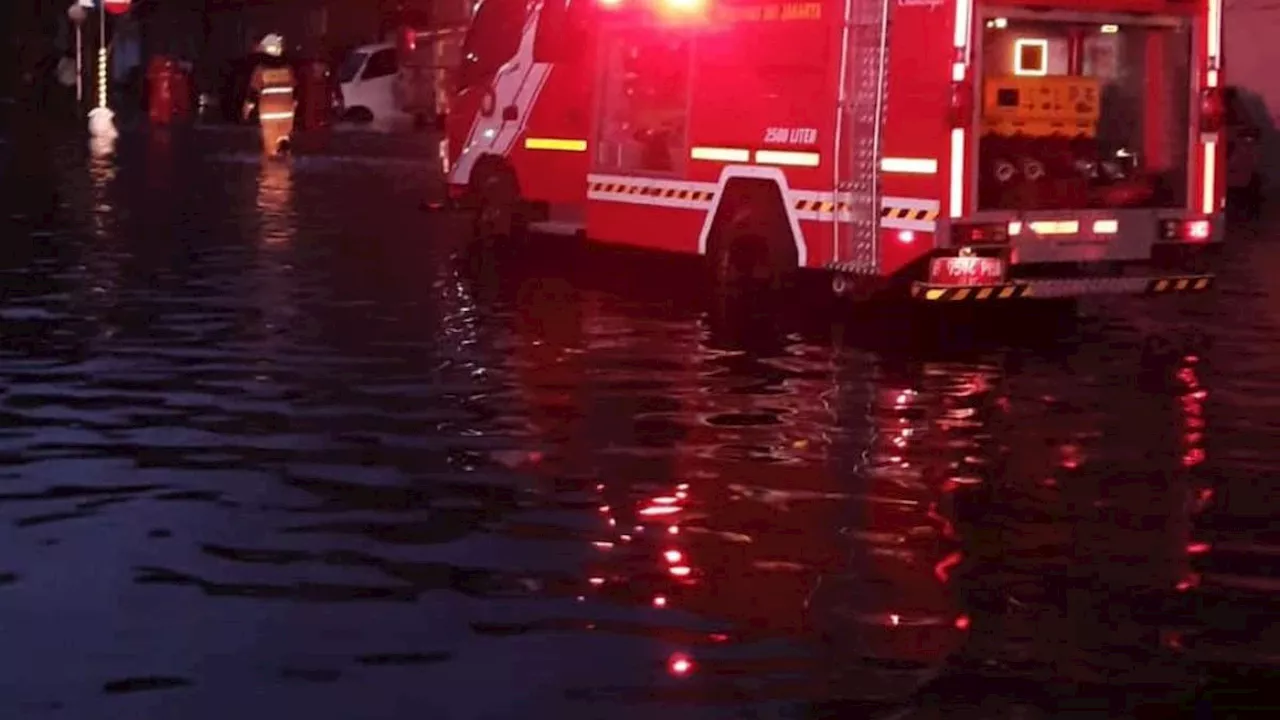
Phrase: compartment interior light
(1031,57)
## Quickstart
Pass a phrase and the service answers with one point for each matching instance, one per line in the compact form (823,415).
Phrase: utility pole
(78,14)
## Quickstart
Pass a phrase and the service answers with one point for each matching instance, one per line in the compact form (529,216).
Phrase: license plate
(970,270)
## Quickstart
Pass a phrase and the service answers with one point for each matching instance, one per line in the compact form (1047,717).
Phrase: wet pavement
(275,442)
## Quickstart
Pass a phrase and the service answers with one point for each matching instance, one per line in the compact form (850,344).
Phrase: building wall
(1250,65)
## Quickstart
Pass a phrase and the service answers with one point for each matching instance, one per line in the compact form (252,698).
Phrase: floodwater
(274,443)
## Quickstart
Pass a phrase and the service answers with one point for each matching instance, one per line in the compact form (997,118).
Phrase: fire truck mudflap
(1055,256)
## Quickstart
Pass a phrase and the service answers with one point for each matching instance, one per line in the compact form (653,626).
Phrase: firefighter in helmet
(273,84)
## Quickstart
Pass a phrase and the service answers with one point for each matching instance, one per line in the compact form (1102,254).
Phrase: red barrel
(160,90)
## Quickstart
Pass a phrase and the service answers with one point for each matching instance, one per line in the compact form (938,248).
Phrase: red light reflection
(679,664)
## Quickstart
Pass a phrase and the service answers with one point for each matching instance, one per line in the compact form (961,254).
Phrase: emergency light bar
(684,8)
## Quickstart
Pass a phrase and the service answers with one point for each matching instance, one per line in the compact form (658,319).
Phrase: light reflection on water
(303,452)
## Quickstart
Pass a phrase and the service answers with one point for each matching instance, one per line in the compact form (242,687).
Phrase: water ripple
(300,440)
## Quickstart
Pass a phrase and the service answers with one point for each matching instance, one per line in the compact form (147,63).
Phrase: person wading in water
(273,84)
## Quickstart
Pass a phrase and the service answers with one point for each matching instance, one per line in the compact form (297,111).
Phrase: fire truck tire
(498,209)
(748,261)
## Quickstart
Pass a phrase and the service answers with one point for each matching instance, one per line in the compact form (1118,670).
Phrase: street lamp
(78,14)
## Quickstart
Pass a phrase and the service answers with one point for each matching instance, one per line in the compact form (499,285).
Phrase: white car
(367,78)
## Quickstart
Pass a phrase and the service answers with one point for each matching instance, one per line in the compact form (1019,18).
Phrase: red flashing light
(1186,230)
(961,109)
(679,664)
(610,4)
(1213,110)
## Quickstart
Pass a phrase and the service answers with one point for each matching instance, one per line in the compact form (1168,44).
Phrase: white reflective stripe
(910,166)
(957,178)
(275,116)
(900,224)
(1214,40)
(788,157)
(912,203)
(277,91)
(1210,180)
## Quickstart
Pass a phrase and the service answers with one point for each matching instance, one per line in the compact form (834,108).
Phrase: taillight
(961,109)
(1212,110)
(984,234)
(408,41)
(1185,230)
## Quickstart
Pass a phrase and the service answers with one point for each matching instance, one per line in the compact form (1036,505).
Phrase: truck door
(494,79)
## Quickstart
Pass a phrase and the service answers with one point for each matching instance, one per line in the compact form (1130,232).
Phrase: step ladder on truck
(950,150)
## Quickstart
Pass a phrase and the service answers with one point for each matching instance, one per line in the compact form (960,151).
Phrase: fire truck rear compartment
(1077,114)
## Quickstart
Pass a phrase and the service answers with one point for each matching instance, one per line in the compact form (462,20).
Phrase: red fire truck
(955,149)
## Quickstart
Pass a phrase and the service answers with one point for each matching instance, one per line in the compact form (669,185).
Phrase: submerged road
(274,443)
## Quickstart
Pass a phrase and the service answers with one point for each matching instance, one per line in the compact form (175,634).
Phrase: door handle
(509,113)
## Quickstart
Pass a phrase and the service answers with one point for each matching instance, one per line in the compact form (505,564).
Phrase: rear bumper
(1049,288)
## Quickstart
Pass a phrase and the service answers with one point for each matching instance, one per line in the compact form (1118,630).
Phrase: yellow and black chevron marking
(902,213)
(652,191)
(822,206)
(1194,283)
(1010,291)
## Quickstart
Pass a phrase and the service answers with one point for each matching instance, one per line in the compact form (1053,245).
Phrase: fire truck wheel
(498,215)
(746,263)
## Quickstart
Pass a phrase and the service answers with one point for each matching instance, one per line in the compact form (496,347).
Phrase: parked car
(367,77)
(1244,154)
